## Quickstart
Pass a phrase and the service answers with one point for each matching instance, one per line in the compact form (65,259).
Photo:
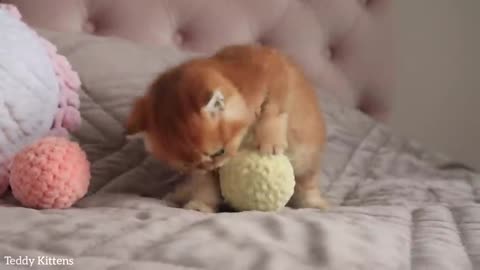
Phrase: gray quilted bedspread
(395,204)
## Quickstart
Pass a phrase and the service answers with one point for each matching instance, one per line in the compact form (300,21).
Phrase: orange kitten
(196,116)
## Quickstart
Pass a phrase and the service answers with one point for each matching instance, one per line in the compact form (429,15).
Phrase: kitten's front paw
(199,206)
(271,135)
(271,149)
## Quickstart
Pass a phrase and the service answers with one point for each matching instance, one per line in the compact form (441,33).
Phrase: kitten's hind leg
(307,193)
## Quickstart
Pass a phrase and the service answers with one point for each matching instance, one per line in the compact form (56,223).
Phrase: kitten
(196,116)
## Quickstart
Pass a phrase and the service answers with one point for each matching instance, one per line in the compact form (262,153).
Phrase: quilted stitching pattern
(395,208)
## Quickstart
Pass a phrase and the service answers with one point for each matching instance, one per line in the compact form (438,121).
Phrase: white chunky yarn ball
(252,181)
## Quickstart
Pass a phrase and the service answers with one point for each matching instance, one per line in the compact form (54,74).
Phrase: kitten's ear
(216,104)
(137,119)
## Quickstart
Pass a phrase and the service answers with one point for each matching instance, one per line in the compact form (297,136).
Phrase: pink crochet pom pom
(52,173)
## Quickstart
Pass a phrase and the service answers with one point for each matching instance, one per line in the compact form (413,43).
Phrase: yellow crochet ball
(252,181)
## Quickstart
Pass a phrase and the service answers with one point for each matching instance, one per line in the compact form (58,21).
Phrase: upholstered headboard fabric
(343,45)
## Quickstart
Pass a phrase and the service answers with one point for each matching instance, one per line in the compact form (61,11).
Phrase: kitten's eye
(218,153)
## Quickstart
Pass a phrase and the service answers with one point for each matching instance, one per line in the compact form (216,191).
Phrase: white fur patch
(216,103)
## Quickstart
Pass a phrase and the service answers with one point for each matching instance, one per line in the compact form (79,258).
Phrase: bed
(395,204)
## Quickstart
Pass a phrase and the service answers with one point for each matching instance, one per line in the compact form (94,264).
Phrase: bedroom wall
(437,100)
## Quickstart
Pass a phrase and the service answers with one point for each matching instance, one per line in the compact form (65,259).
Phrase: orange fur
(263,92)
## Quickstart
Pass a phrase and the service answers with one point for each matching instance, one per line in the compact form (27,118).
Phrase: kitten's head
(192,118)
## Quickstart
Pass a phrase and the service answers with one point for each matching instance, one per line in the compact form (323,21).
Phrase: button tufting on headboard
(343,45)
(89,27)
(179,38)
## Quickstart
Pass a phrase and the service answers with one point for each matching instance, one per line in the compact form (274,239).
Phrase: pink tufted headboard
(343,45)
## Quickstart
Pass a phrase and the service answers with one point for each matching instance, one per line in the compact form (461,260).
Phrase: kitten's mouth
(209,167)
(213,167)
